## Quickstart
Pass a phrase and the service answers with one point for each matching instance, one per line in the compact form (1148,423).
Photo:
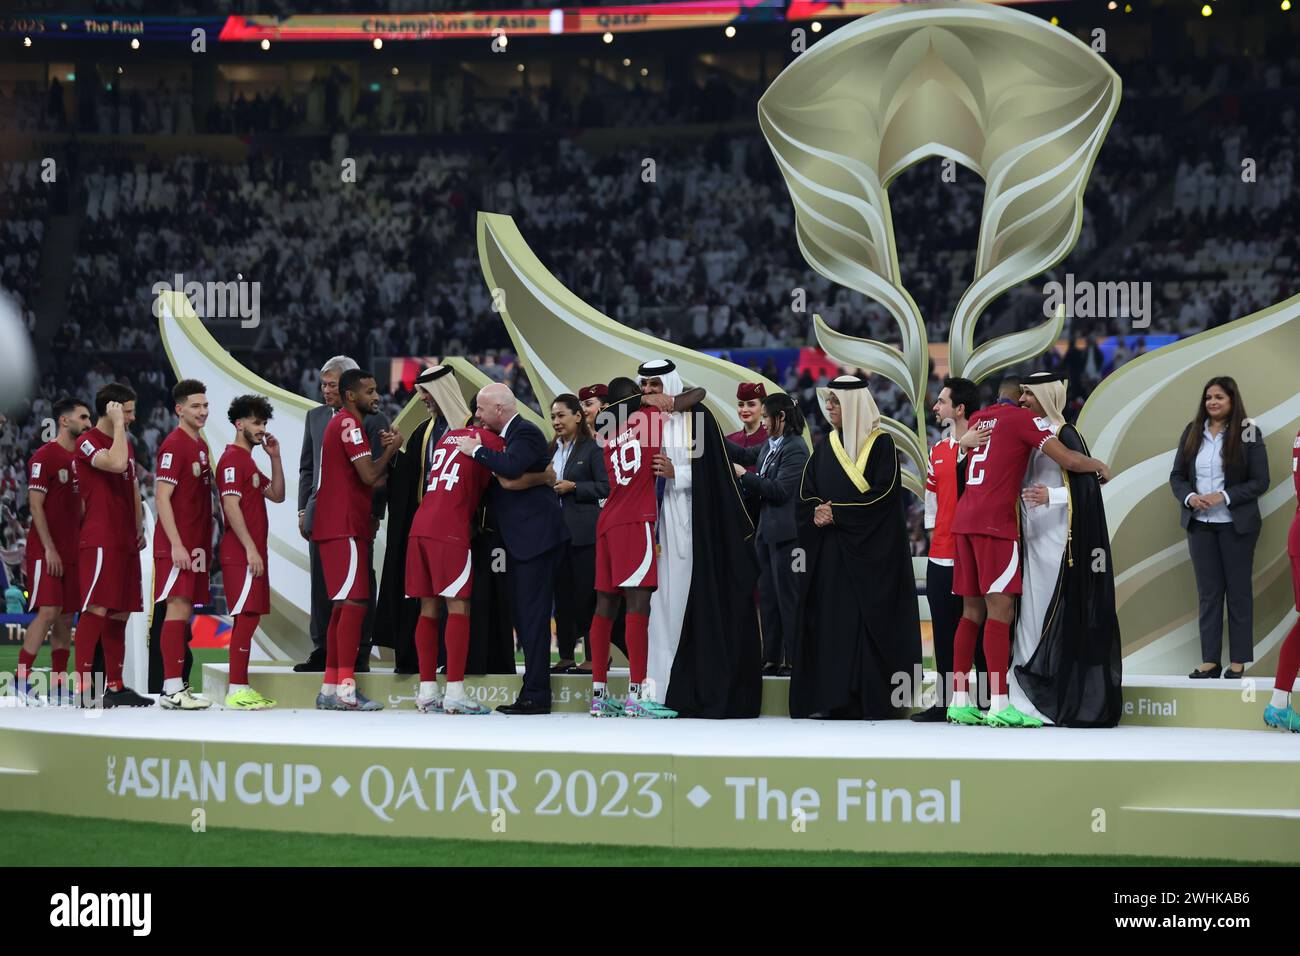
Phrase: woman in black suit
(582,484)
(780,464)
(1220,470)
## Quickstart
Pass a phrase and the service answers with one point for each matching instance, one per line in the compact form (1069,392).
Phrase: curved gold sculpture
(1020,102)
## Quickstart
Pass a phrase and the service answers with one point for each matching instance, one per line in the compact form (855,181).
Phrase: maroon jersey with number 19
(995,471)
(629,458)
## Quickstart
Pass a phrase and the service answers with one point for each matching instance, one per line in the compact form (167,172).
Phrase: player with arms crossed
(439,565)
(51,562)
(986,533)
(108,567)
(182,538)
(629,430)
(342,529)
(245,491)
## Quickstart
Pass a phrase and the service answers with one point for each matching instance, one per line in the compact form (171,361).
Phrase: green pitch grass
(41,839)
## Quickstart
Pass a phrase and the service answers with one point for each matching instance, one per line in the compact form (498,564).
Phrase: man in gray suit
(308,480)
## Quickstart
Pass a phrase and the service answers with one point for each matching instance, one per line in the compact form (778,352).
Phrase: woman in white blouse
(1220,470)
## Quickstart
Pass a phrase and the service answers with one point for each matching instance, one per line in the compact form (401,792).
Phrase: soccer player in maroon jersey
(182,538)
(1280,711)
(342,529)
(51,561)
(986,537)
(629,431)
(245,490)
(439,566)
(112,534)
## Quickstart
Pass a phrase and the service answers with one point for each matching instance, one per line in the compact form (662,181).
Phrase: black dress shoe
(1199,674)
(785,670)
(770,670)
(1230,674)
(314,664)
(562,667)
(524,708)
(931,715)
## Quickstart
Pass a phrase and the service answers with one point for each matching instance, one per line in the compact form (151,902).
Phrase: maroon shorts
(986,565)
(246,594)
(625,558)
(170,582)
(438,569)
(344,561)
(48,591)
(109,578)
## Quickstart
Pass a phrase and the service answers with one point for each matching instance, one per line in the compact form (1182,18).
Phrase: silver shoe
(358,701)
(327,702)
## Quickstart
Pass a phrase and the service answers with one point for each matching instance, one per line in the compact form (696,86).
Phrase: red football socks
(426,644)
(114,640)
(351,618)
(59,661)
(638,647)
(601,628)
(963,653)
(85,639)
(241,645)
(332,647)
(1288,661)
(457,646)
(25,662)
(173,649)
(997,654)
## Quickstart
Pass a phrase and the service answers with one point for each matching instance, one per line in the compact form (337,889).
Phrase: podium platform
(768,782)
(1148,701)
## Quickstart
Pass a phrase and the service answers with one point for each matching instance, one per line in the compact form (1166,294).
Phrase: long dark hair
(572,403)
(782,404)
(1232,450)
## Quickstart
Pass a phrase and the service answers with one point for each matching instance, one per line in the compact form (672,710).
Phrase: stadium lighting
(135,43)
(27,41)
(396,71)
(266,44)
(119,71)
(730,31)
(519,68)
(1286,4)
(626,61)
(377,43)
(816,26)
(608,37)
(644,71)
(1206,10)
(1128,8)
(1112,5)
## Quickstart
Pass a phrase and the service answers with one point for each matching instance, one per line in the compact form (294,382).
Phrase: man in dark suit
(532,529)
(308,479)
(780,462)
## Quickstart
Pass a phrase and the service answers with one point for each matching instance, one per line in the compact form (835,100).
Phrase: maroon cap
(592,391)
(747,391)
